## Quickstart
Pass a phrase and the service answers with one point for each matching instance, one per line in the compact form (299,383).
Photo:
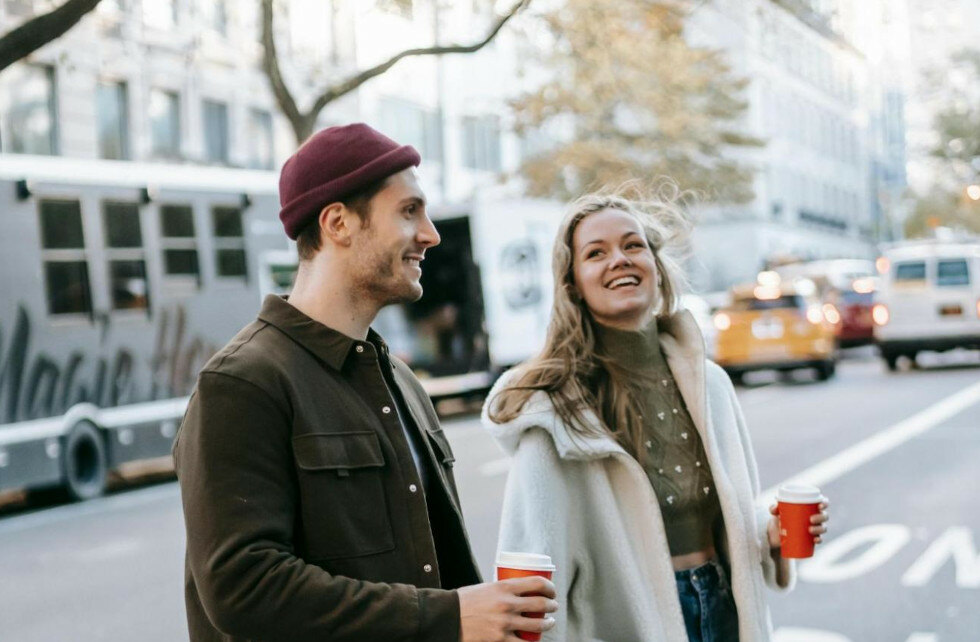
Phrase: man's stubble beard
(378,281)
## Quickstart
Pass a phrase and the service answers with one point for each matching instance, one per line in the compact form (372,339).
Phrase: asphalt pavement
(897,454)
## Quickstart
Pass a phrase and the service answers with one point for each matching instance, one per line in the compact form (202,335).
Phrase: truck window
(952,273)
(229,242)
(124,251)
(179,243)
(63,256)
(910,271)
(283,276)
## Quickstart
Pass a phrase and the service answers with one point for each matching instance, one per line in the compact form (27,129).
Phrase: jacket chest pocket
(344,507)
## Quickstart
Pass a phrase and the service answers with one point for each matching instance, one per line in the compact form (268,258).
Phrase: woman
(632,466)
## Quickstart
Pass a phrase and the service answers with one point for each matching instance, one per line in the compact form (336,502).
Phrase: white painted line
(881,442)
(113,503)
(495,467)
(923,637)
(793,634)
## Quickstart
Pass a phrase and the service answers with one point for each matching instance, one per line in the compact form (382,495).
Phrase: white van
(929,299)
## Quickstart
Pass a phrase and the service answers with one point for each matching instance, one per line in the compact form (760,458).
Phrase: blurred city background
(832,153)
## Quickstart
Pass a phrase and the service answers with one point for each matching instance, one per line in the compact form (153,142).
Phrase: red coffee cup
(511,565)
(796,504)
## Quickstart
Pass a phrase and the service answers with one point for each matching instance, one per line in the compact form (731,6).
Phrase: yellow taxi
(776,325)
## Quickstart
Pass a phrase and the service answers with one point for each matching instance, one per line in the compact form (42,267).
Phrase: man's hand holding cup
(514,607)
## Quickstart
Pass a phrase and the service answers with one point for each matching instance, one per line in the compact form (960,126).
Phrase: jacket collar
(684,349)
(325,343)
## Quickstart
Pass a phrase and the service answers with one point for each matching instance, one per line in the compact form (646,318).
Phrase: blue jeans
(707,604)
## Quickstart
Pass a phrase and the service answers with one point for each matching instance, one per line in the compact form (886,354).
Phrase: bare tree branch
(303,122)
(40,30)
(270,64)
(352,83)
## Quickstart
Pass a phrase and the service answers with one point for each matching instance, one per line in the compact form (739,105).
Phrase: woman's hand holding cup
(799,511)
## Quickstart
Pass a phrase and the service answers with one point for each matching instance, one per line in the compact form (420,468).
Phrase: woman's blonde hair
(569,369)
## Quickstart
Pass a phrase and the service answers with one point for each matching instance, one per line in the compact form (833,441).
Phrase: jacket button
(427,568)
(412,488)
(359,348)
(386,410)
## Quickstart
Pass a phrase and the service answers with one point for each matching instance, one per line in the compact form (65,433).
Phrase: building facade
(833,134)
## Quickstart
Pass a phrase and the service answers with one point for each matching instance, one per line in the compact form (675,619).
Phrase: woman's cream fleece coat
(590,506)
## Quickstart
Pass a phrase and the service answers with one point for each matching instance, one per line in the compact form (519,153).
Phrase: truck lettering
(35,386)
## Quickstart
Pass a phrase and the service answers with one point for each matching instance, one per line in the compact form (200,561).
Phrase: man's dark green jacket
(305,512)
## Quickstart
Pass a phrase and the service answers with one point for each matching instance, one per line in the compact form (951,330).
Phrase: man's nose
(428,234)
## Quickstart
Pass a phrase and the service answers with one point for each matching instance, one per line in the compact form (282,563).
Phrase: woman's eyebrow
(630,233)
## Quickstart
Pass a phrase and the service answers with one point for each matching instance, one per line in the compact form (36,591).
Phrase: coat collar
(683,346)
(327,344)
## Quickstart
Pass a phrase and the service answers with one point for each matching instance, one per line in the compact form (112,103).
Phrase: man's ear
(336,224)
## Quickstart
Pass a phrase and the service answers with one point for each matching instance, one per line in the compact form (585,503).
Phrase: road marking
(495,467)
(113,503)
(835,562)
(880,443)
(794,634)
(923,637)
(956,544)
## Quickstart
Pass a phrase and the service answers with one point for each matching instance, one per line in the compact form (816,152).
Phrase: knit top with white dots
(672,453)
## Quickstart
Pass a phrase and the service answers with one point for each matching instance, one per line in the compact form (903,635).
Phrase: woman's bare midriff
(692,560)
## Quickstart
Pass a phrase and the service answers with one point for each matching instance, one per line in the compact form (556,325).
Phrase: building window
(31,118)
(229,242)
(124,252)
(260,143)
(179,243)
(216,16)
(412,125)
(160,14)
(481,142)
(165,123)
(216,131)
(63,256)
(403,8)
(113,120)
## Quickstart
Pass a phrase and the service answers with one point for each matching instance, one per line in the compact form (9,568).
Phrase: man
(316,482)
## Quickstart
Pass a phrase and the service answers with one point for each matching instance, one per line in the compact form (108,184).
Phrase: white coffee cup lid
(799,494)
(525,561)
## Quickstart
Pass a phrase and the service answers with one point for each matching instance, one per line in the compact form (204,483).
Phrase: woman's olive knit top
(673,457)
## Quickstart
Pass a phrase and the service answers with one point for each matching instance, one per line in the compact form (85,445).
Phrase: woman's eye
(411,209)
(634,244)
(592,254)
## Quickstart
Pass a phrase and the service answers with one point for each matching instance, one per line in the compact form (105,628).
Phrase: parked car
(775,325)
(929,299)
(854,304)
(846,284)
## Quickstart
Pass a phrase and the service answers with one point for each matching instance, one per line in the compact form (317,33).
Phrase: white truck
(929,299)
(119,280)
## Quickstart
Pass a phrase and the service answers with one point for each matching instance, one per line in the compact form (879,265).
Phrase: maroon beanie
(332,164)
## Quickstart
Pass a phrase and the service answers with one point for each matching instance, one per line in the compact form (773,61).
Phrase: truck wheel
(826,370)
(891,361)
(83,462)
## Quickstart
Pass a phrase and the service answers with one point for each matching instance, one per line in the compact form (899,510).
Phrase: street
(896,454)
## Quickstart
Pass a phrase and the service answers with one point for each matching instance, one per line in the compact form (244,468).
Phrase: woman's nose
(619,259)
